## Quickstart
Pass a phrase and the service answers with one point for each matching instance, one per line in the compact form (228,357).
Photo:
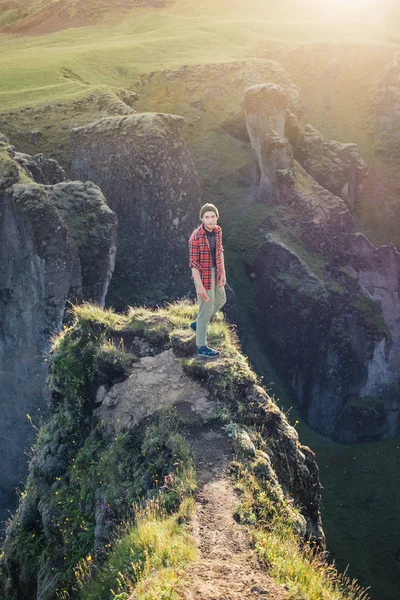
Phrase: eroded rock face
(265,107)
(144,169)
(33,290)
(40,169)
(387,121)
(48,256)
(93,227)
(328,301)
(156,382)
(337,167)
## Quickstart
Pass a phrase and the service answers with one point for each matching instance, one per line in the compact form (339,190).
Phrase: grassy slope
(143,41)
(70,64)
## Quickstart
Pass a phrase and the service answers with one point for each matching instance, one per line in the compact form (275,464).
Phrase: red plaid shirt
(200,254)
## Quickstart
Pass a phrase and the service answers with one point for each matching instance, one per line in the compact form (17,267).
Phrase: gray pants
(207,310)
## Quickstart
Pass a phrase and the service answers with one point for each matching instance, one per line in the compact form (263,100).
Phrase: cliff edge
(57,243)
(148,457)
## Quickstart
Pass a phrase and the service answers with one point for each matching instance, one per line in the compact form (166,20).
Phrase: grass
(301,567)
(305,573)
(145,559)
(95,492)
(144,41)
(144,551)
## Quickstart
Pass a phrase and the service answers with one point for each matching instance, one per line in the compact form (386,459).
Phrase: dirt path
(227,568)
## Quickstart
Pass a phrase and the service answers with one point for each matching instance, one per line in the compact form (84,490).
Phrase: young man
(208,271)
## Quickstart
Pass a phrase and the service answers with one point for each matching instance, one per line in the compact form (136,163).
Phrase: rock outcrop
(265,108)
(328,301)
(45,128)
(387,120)
(89,467)
(57,243)
(143,167)
(335,166)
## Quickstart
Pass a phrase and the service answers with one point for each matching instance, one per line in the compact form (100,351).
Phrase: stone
(265,107)
(127,96)
(143,167)
(156,382)
(335,166)
(57,243)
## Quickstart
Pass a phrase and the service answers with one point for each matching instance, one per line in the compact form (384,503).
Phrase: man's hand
(222,281)
(201,292)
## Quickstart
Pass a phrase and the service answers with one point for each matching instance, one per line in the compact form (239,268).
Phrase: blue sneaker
(193,326)
(206,352)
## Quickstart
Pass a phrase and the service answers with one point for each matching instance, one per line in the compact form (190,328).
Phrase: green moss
(368,406)
(293,282)
(9,172)
(92,225)
(84,357)
(350,273)
(371,313)
(91,492)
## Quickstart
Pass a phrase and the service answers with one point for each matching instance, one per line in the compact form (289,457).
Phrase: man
(208,272)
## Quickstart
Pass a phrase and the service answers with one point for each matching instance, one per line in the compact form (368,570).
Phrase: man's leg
(219,299)
(206,310)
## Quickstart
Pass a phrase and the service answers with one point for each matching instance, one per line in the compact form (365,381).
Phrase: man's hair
(208,207)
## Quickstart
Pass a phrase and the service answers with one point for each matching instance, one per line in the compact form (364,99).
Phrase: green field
(65,64)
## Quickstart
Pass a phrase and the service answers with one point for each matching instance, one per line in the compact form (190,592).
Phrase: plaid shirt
(200,254)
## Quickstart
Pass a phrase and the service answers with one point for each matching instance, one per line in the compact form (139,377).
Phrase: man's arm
(222,282)
(194,254)
(201,291)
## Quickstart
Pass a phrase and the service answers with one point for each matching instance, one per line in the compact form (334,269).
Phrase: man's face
(210,220)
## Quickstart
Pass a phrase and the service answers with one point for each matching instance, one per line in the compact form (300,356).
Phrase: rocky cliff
(285,191)
(133,412)
(57,242)
(144,168)
(328,301)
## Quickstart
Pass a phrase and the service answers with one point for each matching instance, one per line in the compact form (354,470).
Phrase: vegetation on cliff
(101,513)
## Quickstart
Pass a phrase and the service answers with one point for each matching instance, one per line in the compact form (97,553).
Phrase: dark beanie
(206,208)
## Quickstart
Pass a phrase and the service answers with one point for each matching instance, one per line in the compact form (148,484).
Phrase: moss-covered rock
(93,227)
(83,480)
(337,167)
(144,169)
(56,244)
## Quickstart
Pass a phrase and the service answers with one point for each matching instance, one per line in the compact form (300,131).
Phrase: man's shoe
(206,352)
(193,326)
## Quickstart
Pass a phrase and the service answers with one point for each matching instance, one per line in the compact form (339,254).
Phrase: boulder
(265,107)
(156,382)
(144,168)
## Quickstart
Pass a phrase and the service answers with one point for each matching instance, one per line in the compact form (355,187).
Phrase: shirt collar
(204,230)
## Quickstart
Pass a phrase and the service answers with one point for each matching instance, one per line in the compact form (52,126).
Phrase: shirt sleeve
(194,253)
